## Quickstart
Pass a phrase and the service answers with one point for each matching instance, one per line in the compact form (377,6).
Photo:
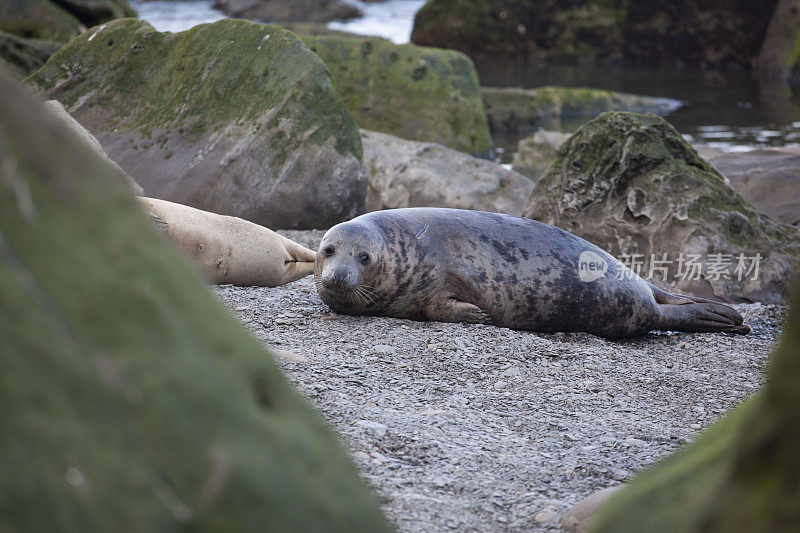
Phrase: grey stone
(414,174)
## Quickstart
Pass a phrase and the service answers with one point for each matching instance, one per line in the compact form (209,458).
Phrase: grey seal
(455,265)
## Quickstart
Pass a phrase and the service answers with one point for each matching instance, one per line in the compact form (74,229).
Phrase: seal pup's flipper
(687,313)
(299,260)
(453,310)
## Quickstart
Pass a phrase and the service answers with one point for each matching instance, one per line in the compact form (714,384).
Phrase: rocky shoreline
(466,427)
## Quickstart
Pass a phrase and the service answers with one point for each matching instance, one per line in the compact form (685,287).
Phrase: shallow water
(391,19)
(176,15)
(728,111)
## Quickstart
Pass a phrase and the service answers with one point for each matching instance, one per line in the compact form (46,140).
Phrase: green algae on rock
(233,117)
(666,33)
(413,92)
(739,475)
(132,400)
(516,111)
(632,185)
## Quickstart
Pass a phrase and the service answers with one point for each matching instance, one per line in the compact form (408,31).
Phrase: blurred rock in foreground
(132,400)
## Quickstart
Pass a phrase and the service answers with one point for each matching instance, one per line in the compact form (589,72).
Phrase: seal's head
(347,267)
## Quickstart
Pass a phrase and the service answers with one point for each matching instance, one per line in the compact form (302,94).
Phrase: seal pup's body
(455,265)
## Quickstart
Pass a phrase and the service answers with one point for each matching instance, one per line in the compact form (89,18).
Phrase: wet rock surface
(414,174)
(477,428)
(264,136)
(633,186)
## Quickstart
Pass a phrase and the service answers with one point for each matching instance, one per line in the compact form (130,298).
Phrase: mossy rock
(132,399)
(739,475)
(416,93)
(665,33)
(631,184)
(514,111)
(24,56)
(233,117)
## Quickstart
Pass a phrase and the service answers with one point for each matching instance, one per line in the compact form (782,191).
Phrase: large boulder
(414,174)
(632,185)
(132,400)
(514,111)
(289,10)
(667,33)
(33,30)
(417,93)
(739,475)
(234,117)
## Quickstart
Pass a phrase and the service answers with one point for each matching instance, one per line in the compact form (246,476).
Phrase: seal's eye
(364,258)
(329,251)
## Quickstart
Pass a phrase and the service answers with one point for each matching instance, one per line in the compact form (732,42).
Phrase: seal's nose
(338,276)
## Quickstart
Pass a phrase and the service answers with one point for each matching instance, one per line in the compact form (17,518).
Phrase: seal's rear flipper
(687,313)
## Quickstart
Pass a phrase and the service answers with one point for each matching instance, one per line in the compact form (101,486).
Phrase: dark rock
(33,30)
(289,10)
(779,57)
(39,19)
(417,93)
(132,400)
(233,117)
(683,33)
(631,185)
(25,56)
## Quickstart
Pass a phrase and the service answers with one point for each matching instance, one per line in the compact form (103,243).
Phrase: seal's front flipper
(452,310)
(687,313)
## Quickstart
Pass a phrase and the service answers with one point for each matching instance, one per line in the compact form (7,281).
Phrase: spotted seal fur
(455,265)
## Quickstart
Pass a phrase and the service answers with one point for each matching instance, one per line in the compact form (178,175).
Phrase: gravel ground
(469,427)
